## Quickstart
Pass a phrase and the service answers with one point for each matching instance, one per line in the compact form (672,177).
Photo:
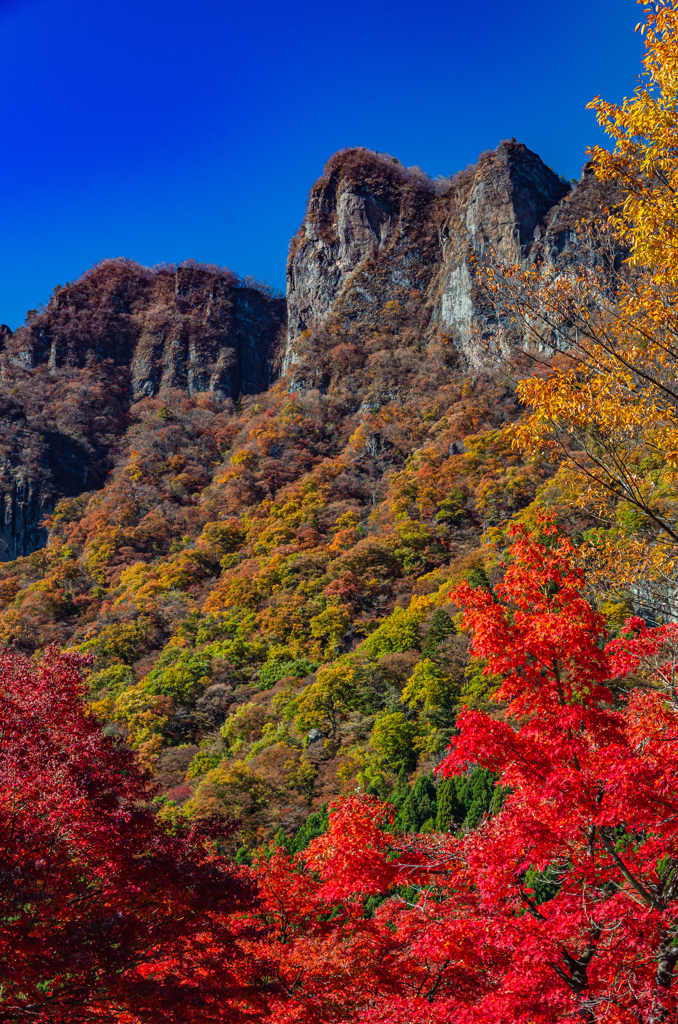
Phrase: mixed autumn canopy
(533,877)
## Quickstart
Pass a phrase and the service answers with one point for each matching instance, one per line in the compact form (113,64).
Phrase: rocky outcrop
(193,327)
(120,334)
(23,506)
(376,233)
(369,237)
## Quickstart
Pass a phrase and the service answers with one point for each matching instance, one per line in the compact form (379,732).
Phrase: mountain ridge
(383,253)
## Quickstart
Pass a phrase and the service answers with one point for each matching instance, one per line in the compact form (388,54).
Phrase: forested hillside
(343,686)
(255,618)
(262,578)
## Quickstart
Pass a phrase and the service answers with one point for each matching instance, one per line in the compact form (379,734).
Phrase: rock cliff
(376,234)
(194,327)
(121,333)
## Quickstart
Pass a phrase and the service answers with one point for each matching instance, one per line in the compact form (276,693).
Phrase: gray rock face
(376,233)
(369,236)
(22,509)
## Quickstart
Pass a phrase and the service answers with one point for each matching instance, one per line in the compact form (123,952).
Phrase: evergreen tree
(476,792)
(441,626)
(419,806)
(464,799)
(281,842)
(401,790)
(451,811)
(315,825)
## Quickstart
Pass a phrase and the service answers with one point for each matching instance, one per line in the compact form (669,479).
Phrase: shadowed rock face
(376,232)
(191,327)
(119,334)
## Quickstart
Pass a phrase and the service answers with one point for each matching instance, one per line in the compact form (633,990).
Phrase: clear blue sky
(171,129)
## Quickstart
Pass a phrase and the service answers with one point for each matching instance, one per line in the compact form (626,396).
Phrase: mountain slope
(262,577)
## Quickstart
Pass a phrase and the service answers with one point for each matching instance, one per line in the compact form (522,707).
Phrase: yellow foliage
(615,612)
(329,627)
(644,159)
(429,686)
(300,774)
(245,458)
(135,470)
(345,531)
(230,790)
(478,687)
(144,714)
(609,408)
(141,582)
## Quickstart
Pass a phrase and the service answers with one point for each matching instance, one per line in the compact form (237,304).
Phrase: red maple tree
(105,914)
(560,907)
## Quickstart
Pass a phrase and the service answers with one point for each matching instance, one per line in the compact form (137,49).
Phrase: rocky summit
(377,234)
(383,252)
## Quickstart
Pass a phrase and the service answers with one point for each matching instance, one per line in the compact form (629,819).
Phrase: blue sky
(165,130)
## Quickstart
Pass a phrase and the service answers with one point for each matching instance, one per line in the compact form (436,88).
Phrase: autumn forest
(339,631)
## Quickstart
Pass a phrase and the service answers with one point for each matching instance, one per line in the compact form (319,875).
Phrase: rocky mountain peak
(376,232)
(191,326)
(366,209)
(380,307)
(511,194)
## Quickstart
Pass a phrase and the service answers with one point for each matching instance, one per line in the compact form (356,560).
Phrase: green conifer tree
(400,791)
(281,842)
(419,806)
(315,825)
(476,792)
(451,812)
(441,626)
(463,800)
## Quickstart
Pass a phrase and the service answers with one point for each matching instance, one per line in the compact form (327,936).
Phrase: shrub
(273,671)
(396,634)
